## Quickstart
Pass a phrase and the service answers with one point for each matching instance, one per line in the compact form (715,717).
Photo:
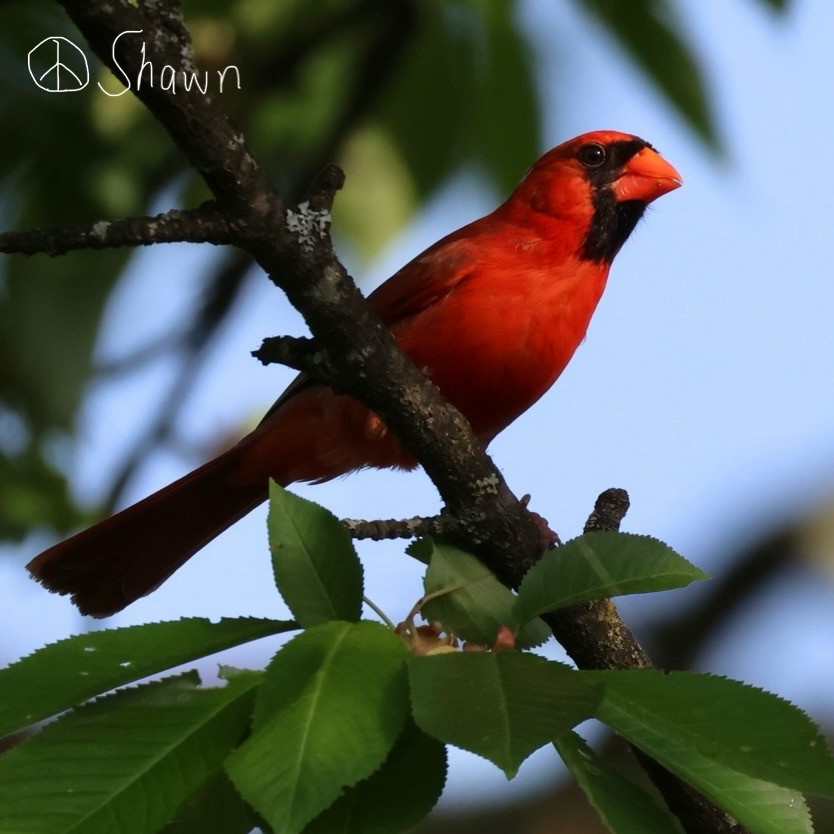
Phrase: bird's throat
(610,226)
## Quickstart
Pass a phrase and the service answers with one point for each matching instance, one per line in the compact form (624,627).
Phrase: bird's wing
(419,285)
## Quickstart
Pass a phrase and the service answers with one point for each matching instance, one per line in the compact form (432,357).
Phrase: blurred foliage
(650,32)
(402,93)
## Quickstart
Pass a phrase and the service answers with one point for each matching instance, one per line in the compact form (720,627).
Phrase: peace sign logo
(57,68)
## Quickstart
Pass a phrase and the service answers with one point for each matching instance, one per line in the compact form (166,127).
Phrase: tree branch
(300,353)
(206,224)
(402,528)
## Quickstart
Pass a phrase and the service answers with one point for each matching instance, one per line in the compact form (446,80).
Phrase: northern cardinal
(493,313)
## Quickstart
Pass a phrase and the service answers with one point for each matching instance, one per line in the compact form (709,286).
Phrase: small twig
(609,511)
(405,528)
(206,224)
(300,353)
(324,187)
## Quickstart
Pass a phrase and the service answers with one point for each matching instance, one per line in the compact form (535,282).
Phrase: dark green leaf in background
(777,5)
(651,35)
(506,122)
(33,491)
(215,808)
(431,80)
(624,807)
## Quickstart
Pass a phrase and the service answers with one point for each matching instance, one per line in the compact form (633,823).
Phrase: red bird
(493,313)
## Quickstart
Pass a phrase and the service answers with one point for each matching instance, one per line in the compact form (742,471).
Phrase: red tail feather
(129,554)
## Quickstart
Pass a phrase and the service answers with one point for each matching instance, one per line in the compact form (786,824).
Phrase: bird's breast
(501,339)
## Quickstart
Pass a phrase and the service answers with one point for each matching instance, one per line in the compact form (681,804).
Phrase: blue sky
(712,353)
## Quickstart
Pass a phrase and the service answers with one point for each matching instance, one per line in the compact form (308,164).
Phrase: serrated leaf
(598,565)
(471,602)
(735,725)
(624,807)
(131,759)
(764,808)
(421,549)
(500,705)
(396,797)
(316,567)
(652,36)
(332,704)
(65,673)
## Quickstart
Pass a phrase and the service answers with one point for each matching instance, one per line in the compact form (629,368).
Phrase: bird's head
(597,186)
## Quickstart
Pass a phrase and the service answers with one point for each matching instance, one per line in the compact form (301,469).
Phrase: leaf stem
(379,612)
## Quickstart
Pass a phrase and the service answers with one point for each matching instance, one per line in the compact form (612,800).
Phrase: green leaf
(599,565)
(129,759)
(65,673)
(764,808)
(62,300)
(735,725)
(464,91)
(500,705)
(396,797)
(379,198)
(316,567)
(507,130)
(331,706)
(421,549)
(433,77)
(776,5)
(624,807)
(215,806)
(34,493)
(476,604)
(652,36)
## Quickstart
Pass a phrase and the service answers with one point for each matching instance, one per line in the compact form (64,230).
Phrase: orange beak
(646,176)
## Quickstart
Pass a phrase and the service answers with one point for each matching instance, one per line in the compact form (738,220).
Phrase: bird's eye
(592,155)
